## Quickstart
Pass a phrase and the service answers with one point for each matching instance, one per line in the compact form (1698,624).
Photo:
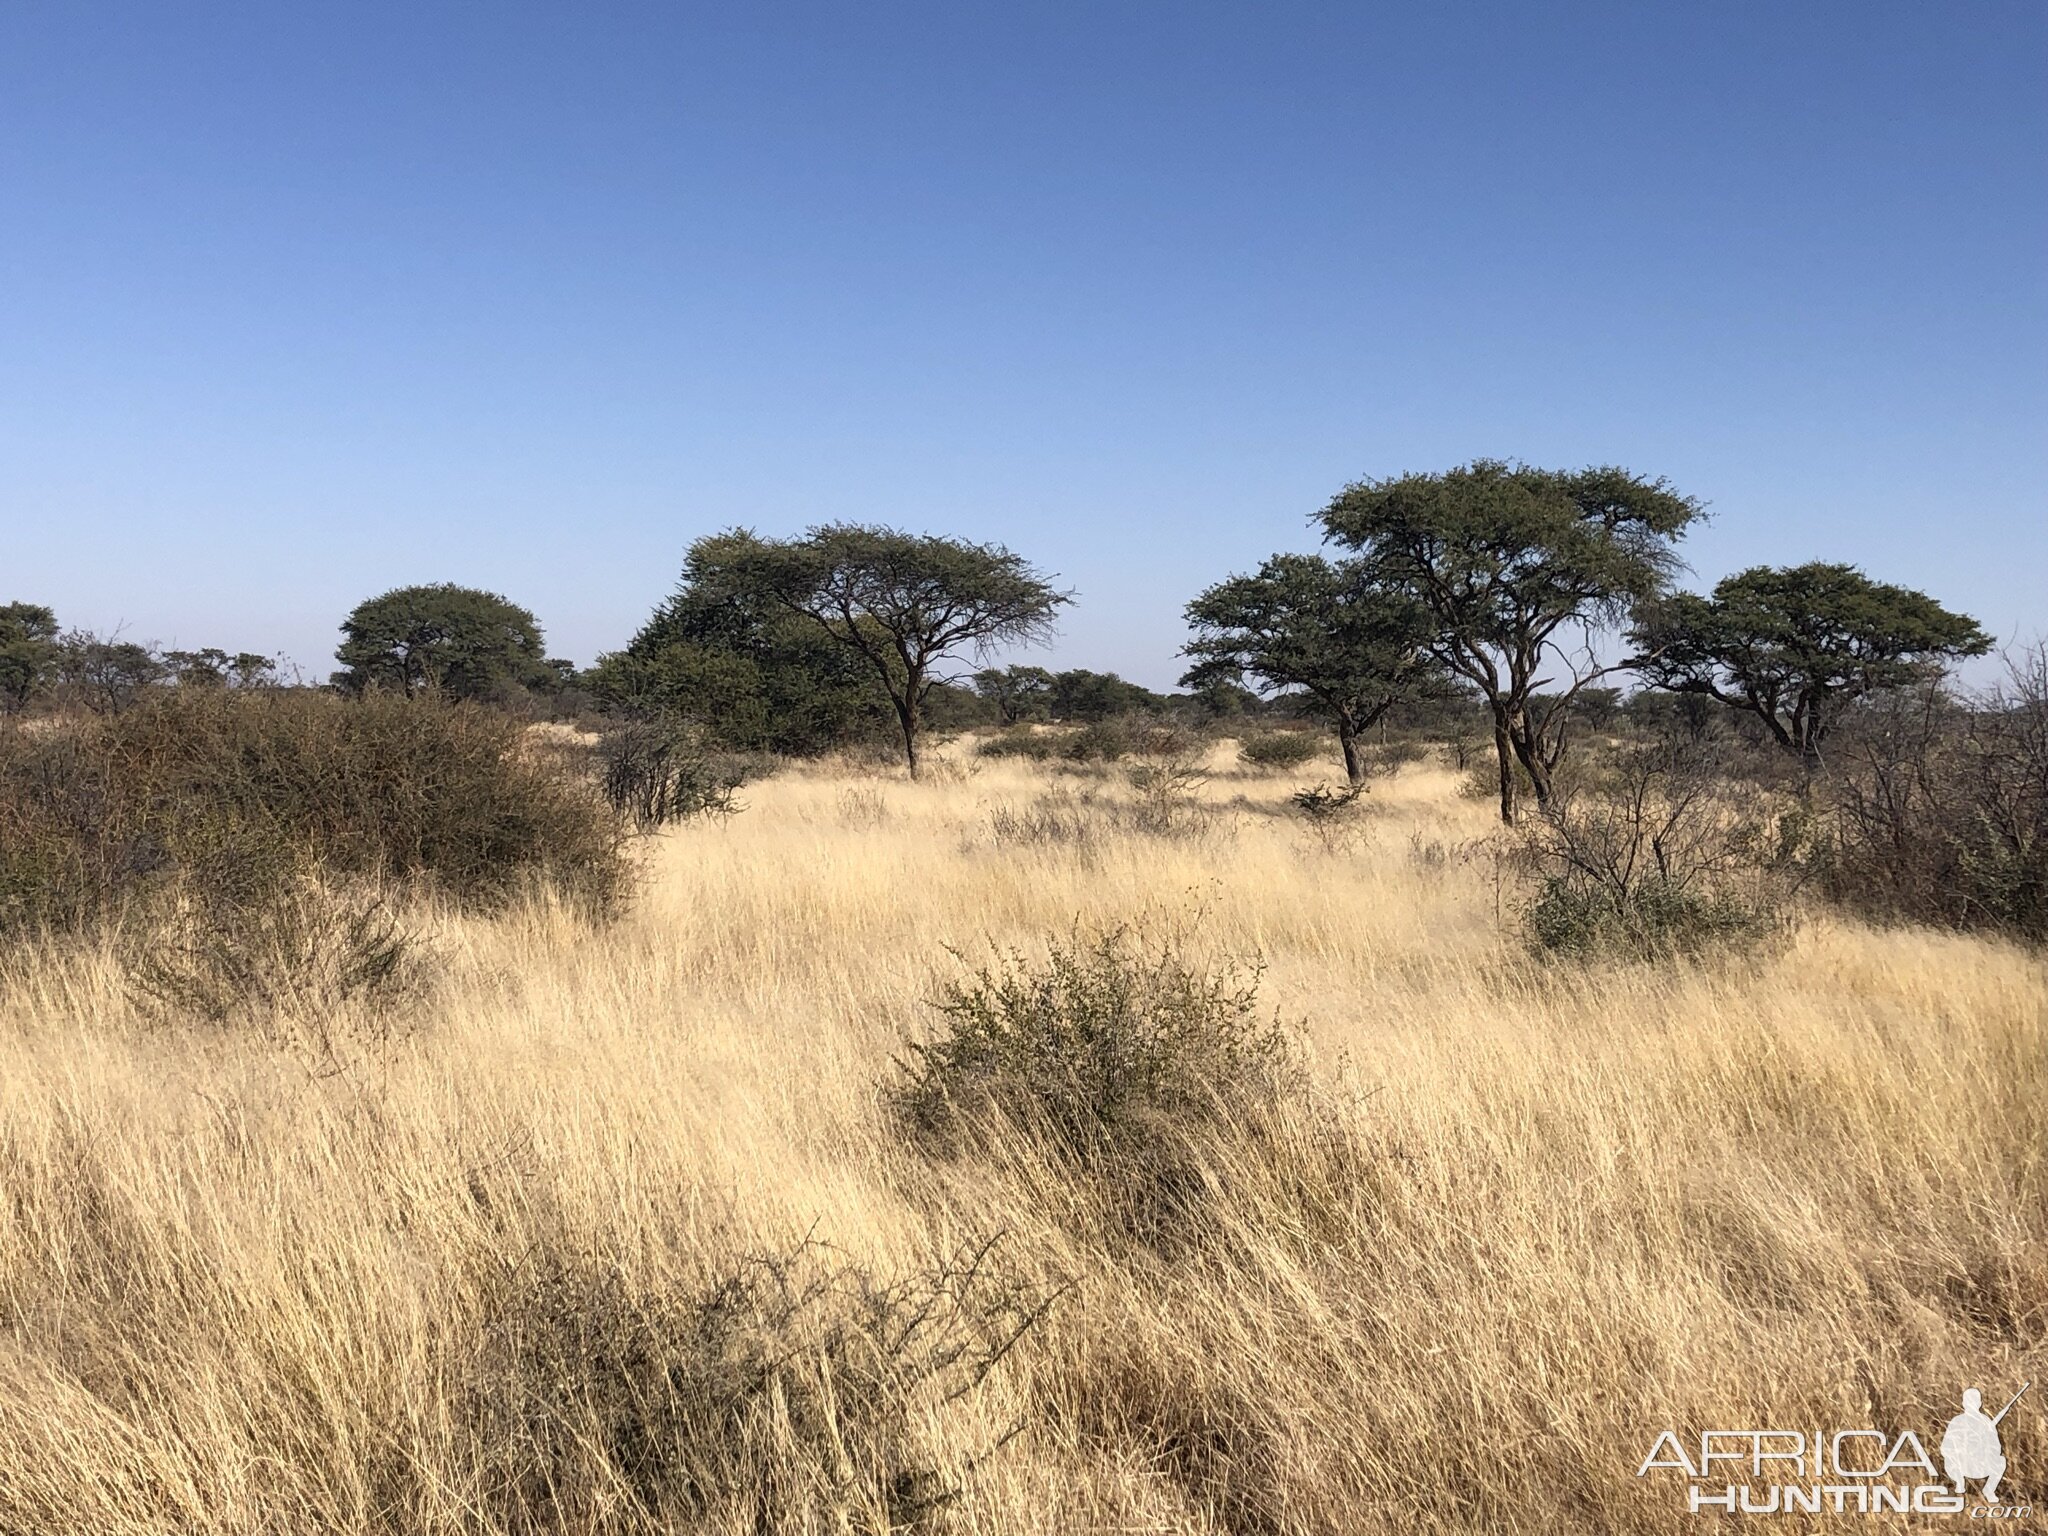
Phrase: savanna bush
(278,949)
(1655,919)
(248,852)
(1168,777)
(1096,742)
(1656,852)
(658,772)
(1020,741)
(1105,741)
(787,1391)
(1055,819)
(1332,816)
(97,812)
(1127,1064)
(1279,749)
(1939,811)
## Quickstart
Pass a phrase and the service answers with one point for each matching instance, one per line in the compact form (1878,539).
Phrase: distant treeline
(1479,592)
(1794,725)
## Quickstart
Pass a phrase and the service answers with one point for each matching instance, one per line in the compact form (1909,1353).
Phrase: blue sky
(301,302)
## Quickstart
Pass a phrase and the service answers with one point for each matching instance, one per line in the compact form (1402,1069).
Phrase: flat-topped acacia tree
(1504,557)
(1797,646)
(1318,628)
(461,641)
(907,602)
(1018,693)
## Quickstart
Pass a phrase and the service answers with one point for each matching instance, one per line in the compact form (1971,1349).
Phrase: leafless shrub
(1656,855)
(862,806)
(657,773)
(1941,806)
(1168,779)
(1332,816)
(1056,819)
(949,770)
(1431,855)
(287,955)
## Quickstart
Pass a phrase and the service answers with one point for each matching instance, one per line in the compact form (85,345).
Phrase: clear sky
(301,301)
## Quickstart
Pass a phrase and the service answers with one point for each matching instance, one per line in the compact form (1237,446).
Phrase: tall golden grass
(252,1288)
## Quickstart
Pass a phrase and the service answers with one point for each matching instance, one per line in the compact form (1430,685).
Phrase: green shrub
(1653,920)
(1392,755)
(1101,741)
(1134,1092)
(1280,749)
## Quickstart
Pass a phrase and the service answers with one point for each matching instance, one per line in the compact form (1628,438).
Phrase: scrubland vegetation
(1044,1144)
(757,1084)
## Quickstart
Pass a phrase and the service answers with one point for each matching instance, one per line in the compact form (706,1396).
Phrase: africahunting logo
(1847,1471)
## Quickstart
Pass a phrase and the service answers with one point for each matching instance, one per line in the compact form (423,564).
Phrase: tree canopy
(1796,646)
(456,640)
(1303,624)
(105,673)
(1505,557)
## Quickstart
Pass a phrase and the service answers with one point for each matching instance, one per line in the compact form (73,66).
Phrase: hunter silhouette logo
(1970,1447)
(1859,1471)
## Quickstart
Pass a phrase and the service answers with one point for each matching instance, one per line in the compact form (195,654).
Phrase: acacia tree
(904,603)
(212,667)
(1078,694)
(1508,560)
(105,673)
(724,656)
(28,651)
(1018,693)
(1307,625)
(455,639)
(1797,646)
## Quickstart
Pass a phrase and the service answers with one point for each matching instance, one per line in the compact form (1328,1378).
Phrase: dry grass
(1533,1217)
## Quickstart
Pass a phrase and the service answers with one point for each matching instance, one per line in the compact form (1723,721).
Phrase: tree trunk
(1539,777)
(1529,753)
(906,717)
(1504,750)
(1354,761)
